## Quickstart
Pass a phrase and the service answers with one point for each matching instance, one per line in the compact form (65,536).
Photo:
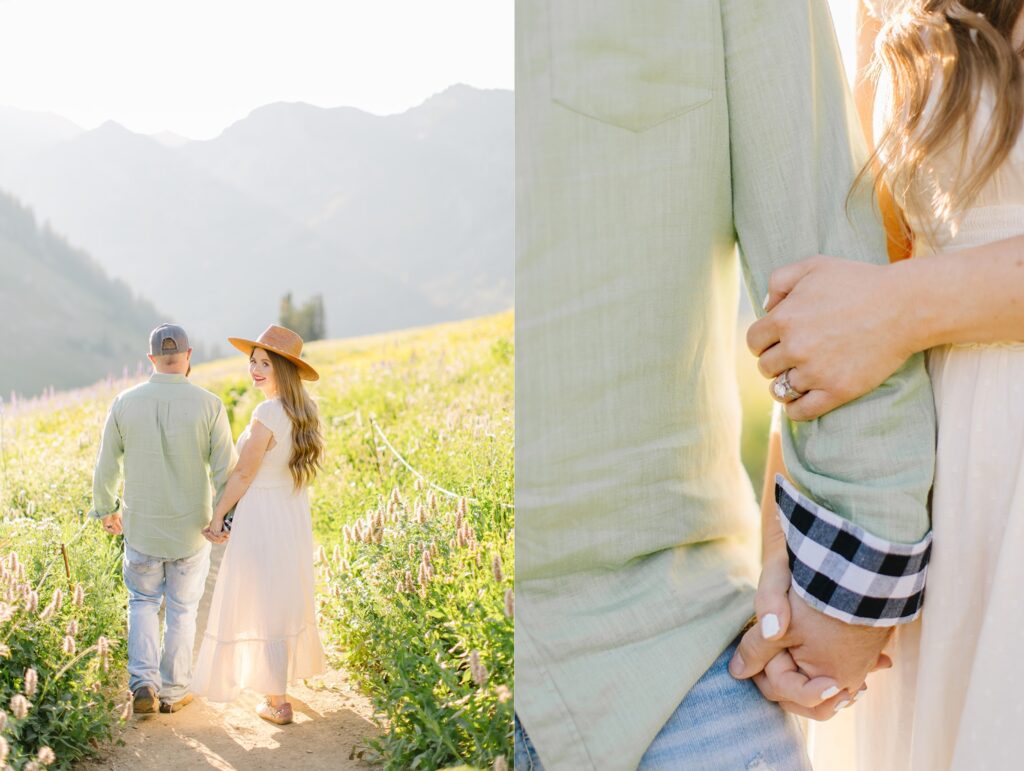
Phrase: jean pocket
(140,563)
(633,65)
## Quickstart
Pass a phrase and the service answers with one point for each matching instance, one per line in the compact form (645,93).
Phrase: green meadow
(412,513)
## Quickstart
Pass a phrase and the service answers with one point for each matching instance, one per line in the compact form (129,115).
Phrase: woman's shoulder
(271,413)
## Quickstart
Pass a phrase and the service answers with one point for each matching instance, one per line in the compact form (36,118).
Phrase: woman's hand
(838,326)
(215,532)
(782,680)
(801,679)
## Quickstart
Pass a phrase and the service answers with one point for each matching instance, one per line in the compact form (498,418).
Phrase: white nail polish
(769,626)
(764,304)
(829,692)
(843,704)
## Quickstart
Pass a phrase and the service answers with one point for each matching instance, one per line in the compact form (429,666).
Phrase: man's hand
(112,524)
(815,666)
(220,535)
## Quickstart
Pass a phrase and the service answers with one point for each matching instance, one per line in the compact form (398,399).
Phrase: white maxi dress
(262,633)
(955,697)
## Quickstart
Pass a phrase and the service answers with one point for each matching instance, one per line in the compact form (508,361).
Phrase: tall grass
(436,657)
(62,651)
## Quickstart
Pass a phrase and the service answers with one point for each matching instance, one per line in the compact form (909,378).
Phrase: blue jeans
(179,584)
(722,724)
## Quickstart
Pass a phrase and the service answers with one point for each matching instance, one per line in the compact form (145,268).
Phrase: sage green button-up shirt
(170,440)
(652,140)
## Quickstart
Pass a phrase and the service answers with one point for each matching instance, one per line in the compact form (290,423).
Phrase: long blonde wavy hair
(307,434)
(959,48)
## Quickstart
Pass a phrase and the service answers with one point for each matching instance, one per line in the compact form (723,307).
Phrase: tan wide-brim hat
(281,341)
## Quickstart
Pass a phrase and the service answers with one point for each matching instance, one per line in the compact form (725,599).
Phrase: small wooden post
(67,565)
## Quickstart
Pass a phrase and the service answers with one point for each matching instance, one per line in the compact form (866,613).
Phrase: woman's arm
(772,539)
(773,586)
(971,296)
(843,327)
(248,465)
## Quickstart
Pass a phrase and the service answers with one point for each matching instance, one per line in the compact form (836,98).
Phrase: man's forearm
(106,480)
(106,477)
(794,159)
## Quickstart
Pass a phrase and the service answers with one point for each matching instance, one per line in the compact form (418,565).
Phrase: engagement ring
(782,390)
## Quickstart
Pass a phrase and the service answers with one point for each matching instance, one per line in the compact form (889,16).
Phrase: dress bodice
(274,471)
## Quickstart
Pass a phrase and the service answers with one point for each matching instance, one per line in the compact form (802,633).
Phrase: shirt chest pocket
(633,64)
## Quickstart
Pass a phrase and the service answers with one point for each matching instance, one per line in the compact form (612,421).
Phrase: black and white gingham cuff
(846,572)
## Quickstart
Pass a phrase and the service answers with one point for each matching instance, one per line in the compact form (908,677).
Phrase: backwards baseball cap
(167,339)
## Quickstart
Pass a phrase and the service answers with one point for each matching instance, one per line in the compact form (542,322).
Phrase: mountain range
(65,322)
(398,220)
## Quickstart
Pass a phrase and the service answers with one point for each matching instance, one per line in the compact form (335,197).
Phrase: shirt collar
(159,377)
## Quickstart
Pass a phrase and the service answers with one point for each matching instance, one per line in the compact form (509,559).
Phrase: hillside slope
(65,322)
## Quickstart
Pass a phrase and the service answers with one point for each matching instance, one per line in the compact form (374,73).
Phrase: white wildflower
(499,576)
(19,706)
(477,669)
(31,681)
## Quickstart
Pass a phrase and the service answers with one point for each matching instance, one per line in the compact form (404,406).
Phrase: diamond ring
(782,390)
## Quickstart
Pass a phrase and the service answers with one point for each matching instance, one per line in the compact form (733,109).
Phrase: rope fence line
(421,476)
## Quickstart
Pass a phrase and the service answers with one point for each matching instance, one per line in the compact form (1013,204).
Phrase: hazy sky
(196,66)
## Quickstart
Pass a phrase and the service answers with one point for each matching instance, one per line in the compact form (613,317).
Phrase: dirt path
(331,718)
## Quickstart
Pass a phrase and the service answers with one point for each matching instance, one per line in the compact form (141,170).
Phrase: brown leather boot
(144,700)
(173,706)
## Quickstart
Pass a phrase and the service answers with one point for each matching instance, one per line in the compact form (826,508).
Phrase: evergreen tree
(308,320)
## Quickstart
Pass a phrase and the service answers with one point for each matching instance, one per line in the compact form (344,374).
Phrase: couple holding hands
(185,481)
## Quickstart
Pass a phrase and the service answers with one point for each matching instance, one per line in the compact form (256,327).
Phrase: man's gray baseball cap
(168,339)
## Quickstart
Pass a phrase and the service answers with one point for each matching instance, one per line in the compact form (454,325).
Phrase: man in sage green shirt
(652,142)
(169,440)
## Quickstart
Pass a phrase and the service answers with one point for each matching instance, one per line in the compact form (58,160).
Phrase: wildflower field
(412,513)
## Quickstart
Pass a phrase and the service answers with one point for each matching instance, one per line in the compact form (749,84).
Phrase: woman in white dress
(950,149)
(261,633)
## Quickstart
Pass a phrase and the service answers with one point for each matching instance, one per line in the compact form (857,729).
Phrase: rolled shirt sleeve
(862,472)
(222,454)
(106,478)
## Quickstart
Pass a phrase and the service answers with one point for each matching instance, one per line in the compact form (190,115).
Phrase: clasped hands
(810,664)
(113,525)
(215,532)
